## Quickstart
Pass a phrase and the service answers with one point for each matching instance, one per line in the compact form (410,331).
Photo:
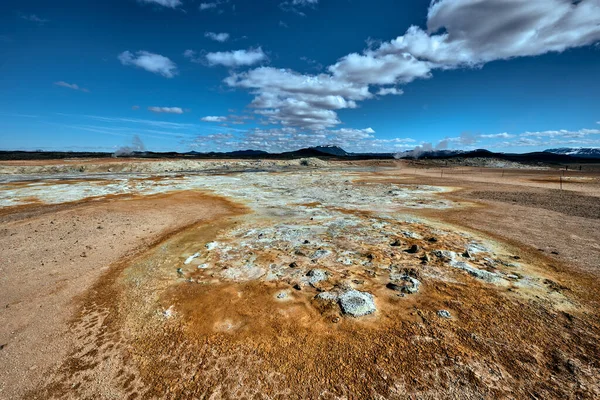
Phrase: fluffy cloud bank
(459,34)
(289,139)
(151,62)
(504,140)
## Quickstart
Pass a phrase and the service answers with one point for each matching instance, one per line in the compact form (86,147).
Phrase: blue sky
(380,76)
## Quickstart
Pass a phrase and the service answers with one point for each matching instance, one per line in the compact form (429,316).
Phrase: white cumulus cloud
(150,62)
(218,37)
(236,58)
(214,119)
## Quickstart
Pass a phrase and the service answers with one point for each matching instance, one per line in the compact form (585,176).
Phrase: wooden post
(561,182)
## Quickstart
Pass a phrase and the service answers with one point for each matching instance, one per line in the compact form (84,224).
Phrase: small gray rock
(406,284)
(487,276)
(320,254)
(444,314)
(316,275)
(445,255)
(327,296)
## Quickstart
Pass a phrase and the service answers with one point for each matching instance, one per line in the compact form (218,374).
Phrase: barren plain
(124,279)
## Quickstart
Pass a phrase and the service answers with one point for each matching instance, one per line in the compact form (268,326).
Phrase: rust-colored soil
(52,255)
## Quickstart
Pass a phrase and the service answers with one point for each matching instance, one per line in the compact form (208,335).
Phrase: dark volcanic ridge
(550,156)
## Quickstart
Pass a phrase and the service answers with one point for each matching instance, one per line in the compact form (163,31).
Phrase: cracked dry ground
(243,300)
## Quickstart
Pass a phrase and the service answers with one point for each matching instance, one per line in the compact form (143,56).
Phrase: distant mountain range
(557,156)
(584,152)
(551,155)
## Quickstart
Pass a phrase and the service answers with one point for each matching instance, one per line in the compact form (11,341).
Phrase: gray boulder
(357,304)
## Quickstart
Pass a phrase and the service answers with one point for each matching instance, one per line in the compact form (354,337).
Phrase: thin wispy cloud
(213,5)
(164,3)
(33,18)
(167,110)
(72,86)
(150,62)
(297,6)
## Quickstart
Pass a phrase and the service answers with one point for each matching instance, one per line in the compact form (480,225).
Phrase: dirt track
(93,304)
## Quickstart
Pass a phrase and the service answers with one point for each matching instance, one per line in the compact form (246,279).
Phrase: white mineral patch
(191,258)
(168,313)
(474,248)
(259,189)
(476,272)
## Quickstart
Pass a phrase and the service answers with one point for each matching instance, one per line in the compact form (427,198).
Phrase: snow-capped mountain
(584,152)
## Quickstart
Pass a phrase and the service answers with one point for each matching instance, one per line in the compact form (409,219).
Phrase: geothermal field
(271,279)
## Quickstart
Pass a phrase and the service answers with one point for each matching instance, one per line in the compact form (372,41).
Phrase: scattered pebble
(413,249)
(444,314)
